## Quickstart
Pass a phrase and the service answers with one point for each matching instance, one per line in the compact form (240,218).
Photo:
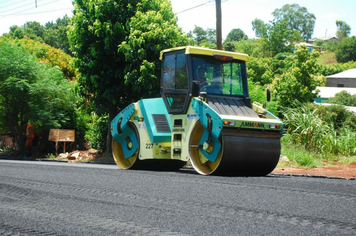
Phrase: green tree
(34,27)
(343,29)
(30,29)
(297,18)
(53,33)
(236,35)
(229,46)
(95,31)
(279,38)
(204,38)
(15,32)
(299,80)
(346,50)
(153,28)
(211,36)
(111,78)
(253,47)
(199,34)
(31,90)
(49,55)
(263,70)
(276,38)
(259,27)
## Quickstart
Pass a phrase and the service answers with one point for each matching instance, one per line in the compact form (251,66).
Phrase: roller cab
(205,115)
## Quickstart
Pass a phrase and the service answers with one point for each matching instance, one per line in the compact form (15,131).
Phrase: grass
(299,157)
(326,58)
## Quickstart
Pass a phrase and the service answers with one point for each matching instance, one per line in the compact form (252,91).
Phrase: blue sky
(235,13)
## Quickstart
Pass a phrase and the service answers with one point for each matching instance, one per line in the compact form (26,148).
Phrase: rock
(73,156)
(63,155)
(284,158)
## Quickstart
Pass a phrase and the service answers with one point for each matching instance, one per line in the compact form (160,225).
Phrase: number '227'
(149,145)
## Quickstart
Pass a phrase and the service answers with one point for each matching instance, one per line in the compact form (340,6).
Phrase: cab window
(219,77)
(175,72)
(174,83)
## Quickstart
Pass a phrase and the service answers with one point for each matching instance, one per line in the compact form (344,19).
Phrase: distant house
(324,39)
(344,79)
(310,47)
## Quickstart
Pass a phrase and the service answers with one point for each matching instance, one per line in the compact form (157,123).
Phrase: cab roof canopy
(206,52)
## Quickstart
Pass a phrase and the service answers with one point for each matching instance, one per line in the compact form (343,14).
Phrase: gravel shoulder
(341,171)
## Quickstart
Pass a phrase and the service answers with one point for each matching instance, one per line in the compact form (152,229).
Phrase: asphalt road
(51,198)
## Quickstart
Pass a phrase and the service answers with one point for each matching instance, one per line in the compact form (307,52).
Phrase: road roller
(204,116)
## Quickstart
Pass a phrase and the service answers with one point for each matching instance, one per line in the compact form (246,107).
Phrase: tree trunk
(112,113)
(108,139)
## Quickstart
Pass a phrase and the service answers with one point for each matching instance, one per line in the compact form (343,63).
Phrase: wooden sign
(62,135)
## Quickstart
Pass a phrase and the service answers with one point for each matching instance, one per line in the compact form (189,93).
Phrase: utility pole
(218,25)
(36,3)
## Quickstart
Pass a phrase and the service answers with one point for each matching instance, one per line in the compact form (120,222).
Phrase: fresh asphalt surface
(51,198)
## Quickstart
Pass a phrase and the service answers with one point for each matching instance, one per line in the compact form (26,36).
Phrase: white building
(343,79)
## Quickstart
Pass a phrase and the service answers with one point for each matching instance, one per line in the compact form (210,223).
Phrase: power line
(200,6)
(195,6)
(28,4)
(39,12)
(17,13)
(12,3)
(17,7)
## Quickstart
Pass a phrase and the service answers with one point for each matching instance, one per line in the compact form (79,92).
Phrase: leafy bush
(331,69)
(54,57)
(256,92)
(97,133)
(305,126)
(81,121)
(263,70)
(344,98)
(252,47)
(337,116)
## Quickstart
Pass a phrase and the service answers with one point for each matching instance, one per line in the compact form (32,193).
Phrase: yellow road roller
(205,115)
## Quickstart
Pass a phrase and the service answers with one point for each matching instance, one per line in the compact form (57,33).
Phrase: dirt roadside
(338,170)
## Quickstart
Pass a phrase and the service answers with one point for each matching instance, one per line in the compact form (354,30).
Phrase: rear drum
(118,154)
